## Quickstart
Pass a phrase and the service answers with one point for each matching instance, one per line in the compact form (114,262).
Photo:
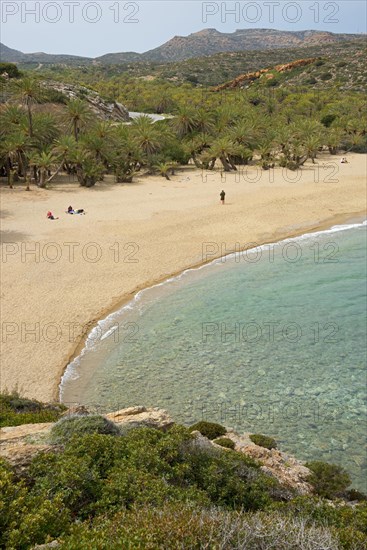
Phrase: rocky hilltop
(203,43)
(211,41)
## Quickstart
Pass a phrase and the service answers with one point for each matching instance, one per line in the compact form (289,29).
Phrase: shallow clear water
(272,341)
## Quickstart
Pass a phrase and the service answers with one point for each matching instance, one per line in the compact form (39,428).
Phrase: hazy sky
(93,28)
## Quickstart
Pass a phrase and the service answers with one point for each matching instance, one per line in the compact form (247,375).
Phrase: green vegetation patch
(10,69)
(70,426)
(211,430)
(328,480)
(225,442)
(263,441)
(156,490)
(16,410)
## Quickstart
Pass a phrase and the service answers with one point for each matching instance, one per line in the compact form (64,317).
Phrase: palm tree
(126,155)
(78,114)
(204,121)
(164,168)
(312,144)
(334,138)
(43,162)
(62,150)
(14,148)
(195,147)
(12,116)
(224,149)
(29,91)
(185,121)
(98,147)
(164,103)
(103,129)
(45,130)
(146,135)
(265,149)
(88,170)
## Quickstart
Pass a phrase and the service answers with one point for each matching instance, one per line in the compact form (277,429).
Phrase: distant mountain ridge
(203,43)
(9,55)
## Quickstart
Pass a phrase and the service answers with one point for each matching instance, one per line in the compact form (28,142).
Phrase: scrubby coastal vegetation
(105,485)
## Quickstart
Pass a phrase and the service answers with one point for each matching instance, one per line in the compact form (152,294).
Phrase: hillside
(343,64)
(15,56)
(202,43)
(211,41)
(348,72)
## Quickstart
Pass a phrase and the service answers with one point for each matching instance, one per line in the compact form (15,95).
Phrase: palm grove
(268,127)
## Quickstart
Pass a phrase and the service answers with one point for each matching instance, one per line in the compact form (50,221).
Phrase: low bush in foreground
(263,441)
(148,489)
(182,526)
(69,426)
(211,430)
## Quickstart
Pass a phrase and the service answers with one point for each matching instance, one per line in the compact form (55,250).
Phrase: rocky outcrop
(295,64)
(289,471)
(101,108)
(141,416)
(20,444)
(249,78)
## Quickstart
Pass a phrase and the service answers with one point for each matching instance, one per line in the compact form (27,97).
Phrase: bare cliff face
(101,108)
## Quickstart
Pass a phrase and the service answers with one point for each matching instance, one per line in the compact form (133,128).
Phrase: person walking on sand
(222,196)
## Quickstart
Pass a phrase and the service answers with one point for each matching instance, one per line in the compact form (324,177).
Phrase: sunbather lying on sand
(51,216)
(72,211)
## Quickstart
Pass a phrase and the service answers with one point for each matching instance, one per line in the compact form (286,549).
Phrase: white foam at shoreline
(103,329)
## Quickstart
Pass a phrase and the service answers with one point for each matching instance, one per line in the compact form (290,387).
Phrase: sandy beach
(59,277)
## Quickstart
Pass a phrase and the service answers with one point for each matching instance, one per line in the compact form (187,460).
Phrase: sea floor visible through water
(271,340)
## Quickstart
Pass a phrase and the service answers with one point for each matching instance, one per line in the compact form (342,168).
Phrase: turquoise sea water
(271,341)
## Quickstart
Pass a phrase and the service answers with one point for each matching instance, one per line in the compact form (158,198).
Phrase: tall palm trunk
(226,165)
(30,119)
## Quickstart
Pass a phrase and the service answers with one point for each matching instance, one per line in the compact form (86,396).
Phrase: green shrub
(326,76)
(328,480)
(225,442)
(69,426)
(263,441)
(211,430)
(72,479)
(353,494)
(327,120)
(16,410)
(26,518)
(11,69)
(54,96)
